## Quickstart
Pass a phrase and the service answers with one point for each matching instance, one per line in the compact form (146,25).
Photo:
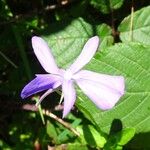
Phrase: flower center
(68,75)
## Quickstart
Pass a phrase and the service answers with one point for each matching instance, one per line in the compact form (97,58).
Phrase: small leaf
(104,32)
(118,140)
(69,146)
(66,134)
(140,31)
(90,136)
(75,146)
(126,135)
(106,6)
(51,131)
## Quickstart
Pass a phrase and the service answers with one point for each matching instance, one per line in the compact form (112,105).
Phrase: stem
(112,19)
(8,60)
(22,50)
(61,98)
(112,23)
(65,124)
(51,115)
(40,109)
(131,22)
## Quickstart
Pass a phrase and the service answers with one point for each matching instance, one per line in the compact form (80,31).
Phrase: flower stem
(40,109)
(22,50)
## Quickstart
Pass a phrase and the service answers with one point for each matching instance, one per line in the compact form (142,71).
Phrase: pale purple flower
(104,90)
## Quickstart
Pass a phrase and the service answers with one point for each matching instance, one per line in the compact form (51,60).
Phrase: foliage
(140,27)
(106,6)
(66,26)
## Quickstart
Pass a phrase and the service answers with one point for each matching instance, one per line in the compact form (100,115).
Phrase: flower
(104,90)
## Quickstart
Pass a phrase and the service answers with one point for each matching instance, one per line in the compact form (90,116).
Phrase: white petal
(69,96)
(43,53)
(115,82)
(86,55)
(103,96)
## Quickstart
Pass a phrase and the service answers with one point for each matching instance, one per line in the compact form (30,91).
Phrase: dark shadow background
(38,17)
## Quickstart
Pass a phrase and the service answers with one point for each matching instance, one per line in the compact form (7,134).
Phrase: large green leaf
(68,41)
(130,60)
(106,6)
(133,110)
(140,30)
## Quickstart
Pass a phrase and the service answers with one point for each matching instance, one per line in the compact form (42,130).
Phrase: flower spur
(104,90)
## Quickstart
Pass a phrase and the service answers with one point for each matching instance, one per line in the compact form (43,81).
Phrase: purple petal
(69,96)
(86,55)
(43,53)
(114,82)
(105,97)
(40,83)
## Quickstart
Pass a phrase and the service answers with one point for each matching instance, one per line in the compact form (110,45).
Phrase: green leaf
(90,136)
(69,146)
(140,30)
(67,40)
(66,134)
(126,135)
(119,139)
(133,110)
(104,31)
(5,12)
(130,60)
(106,6)
(72,146)
(51,131)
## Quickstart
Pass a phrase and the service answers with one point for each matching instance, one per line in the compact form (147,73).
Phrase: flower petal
(40,83)
(43,53)
(114,82)
(86,55)
(69,96)
(103,96)
(43,96)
